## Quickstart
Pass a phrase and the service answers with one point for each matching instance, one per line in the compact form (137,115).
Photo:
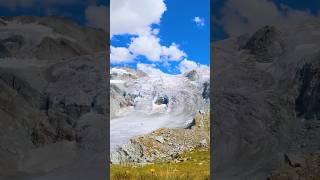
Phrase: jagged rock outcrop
(192,75)
(267,43)
(117,99)
(206,90)
(265,99)
(307,102)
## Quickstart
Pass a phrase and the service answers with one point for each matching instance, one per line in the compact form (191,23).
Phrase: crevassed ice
(185,99)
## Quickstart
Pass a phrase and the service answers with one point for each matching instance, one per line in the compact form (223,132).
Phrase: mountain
(53,99)
(47,38)
(265,101)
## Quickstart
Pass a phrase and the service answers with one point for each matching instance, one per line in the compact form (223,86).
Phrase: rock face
(307,102)
(53,98)
(265,99)
(119,98)
(192,75)
(267,43)
(206,90)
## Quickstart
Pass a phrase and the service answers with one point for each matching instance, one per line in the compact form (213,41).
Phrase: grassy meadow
(193,165)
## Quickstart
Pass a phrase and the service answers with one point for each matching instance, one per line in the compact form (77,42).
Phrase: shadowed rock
(192,75)
(162,100)
(267,43)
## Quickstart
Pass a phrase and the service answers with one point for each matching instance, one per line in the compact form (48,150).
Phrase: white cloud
(189,65)
(184,66)
(150,47)
(173,52)
(120,55)
(247,16)
(155,31)
(134,17)
(96,16)
(199,21)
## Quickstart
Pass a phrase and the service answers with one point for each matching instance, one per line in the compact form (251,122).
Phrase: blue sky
(71,9)
(223,27)
(177,25)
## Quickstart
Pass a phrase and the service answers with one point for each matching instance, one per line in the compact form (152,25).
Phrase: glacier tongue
(160,101)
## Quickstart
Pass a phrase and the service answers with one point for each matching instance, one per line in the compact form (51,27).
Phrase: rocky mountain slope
(165,144)
(144,104)
(265,100)
(53,99)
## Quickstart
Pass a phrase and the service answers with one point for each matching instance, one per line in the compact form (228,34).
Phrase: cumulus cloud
(246,16)
(184,67)
(134,17)
(155,31)
(189,65)
(96,16)
(120,55)
(150,47)
(173,52)
(199,21)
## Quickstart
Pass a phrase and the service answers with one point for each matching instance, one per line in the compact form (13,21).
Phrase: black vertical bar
(108,91)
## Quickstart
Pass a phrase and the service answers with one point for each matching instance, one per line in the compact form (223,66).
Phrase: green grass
(195,166)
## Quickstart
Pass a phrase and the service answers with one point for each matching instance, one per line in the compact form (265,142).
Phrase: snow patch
(33,32)
(114,81)
(119,71)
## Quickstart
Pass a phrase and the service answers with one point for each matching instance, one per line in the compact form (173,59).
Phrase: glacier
(145,114)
